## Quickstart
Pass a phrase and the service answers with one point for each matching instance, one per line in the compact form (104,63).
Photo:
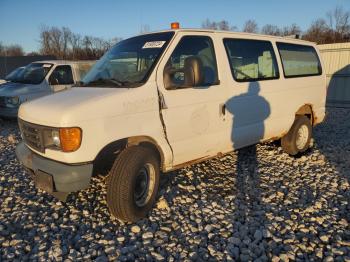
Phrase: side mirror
(192,71)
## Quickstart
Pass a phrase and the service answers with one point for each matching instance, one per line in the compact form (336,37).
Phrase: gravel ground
(259,204)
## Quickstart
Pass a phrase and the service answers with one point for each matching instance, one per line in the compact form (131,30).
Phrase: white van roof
(243,34)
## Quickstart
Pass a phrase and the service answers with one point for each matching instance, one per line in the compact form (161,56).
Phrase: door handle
(222,111)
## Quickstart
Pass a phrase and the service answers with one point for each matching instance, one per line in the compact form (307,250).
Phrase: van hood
(17,89)
(72,106)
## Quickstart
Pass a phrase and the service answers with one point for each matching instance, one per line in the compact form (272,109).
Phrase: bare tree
(11,50)
(224,25)
(233,28)
(338,20)
(14,50)
(250,26)
(64,44)
(318,32)
(339,23)
(221,25)
(293,29)
(334,29)
(271,30)
(207,24)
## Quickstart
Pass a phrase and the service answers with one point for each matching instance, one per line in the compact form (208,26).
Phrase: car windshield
(33,73)
(129,63)
(14,74)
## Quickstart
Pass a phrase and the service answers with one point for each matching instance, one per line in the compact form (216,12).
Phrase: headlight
(64,139)
(56,138)
(12,101)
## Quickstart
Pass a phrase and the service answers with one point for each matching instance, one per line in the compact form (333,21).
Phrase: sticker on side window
(153,44)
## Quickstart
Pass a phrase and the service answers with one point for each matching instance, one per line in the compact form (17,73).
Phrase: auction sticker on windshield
(154,44)
(46,65)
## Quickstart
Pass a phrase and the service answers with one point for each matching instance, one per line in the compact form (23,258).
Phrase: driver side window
(62,75)
(193,47)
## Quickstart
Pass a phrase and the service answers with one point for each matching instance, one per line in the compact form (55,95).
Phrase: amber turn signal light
(70,139)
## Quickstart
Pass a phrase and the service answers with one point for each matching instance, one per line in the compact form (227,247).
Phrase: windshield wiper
(113,81)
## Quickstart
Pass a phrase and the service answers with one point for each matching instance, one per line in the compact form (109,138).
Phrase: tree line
(65,44)
(334,28)
(11,50)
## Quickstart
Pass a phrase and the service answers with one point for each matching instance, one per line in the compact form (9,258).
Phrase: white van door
(61,78)
(254,93)
(192,116)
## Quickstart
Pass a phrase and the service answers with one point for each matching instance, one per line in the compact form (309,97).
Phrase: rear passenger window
(251,60)
(299,60)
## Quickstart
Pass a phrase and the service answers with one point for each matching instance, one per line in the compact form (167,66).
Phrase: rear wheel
(297,140)
(133,184)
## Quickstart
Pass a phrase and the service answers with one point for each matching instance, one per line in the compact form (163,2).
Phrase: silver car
(40,79)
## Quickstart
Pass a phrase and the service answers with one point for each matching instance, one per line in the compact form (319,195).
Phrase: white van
(161,101)
(39,79)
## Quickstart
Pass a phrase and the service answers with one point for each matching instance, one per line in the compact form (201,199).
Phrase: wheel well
(149,143)
(306,110)
(105,158)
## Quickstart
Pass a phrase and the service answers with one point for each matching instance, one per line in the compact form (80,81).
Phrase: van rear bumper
(53,176)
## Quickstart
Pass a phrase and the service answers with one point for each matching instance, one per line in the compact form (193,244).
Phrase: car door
(61,78)
(252,107)
(192,116)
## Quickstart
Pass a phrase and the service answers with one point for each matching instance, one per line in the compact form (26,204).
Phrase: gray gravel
(266,206)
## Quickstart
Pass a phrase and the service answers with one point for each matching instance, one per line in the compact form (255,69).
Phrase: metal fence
(336,59)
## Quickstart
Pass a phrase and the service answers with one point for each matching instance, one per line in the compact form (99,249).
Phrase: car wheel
(297,140)
(133,184)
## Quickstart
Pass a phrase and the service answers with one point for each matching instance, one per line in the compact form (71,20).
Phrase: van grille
(32,135)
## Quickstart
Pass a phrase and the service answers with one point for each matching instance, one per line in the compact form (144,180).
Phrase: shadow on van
(249,112)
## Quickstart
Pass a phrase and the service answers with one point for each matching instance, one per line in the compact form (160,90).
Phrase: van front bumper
(52,176)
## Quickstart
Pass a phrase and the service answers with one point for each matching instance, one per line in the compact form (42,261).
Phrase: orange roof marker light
(175,25)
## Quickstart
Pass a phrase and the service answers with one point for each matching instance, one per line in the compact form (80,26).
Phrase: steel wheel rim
(302,137)
(144,185)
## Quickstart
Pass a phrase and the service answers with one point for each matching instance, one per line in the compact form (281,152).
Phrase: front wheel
(297,140)
(133,184)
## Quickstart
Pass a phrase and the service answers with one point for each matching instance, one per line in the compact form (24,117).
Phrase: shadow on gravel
(336,152)
(248,216)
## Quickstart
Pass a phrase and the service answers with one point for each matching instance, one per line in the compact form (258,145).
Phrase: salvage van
(161,101)
(39,79)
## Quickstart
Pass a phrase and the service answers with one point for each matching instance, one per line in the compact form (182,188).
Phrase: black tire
(124,187)
(290,142)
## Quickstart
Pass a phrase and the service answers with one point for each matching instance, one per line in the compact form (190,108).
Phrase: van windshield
(32,74)
(129,63)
